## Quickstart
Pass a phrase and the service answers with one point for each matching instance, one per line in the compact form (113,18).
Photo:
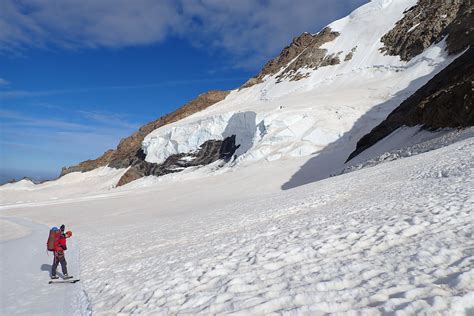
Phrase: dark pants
(59,258)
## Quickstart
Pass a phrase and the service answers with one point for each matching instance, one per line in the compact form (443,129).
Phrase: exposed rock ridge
(445,101)
(89,165)
(428,22)
(128,151)
(304,51)
(210,151)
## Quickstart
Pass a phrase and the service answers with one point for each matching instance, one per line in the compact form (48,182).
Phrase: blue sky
(76,76)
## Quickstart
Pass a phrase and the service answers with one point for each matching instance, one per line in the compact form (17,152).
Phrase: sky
(76,76)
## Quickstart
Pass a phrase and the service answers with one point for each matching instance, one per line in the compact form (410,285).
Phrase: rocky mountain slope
(304,51)
(428,22)
(320,95)
(447,99)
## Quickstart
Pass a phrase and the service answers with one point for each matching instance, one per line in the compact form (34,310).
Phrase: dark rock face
(306,49)
(128,151)
(209,152)
(429,22)
(445,101)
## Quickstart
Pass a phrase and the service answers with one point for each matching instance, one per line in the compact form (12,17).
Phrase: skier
(59,258)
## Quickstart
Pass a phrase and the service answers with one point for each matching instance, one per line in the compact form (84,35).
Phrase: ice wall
(174,139)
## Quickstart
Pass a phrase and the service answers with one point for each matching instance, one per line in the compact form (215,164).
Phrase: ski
(64,281)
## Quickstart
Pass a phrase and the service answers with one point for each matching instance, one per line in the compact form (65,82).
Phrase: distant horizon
(69,92)
(18,175)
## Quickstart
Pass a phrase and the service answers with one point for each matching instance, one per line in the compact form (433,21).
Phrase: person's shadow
(46,267)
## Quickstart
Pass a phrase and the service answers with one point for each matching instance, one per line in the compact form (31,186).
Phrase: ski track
(395,238)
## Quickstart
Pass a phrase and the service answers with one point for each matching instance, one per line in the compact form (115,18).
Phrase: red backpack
(53,239)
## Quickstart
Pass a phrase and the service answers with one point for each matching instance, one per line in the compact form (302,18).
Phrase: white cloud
(39,93)
(92,121)
(250,30)
(110,119)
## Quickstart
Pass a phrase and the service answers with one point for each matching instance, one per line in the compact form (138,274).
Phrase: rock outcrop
(428,22)
(209,152)
(89,165)
(129,153)
(304,51)
(445,101)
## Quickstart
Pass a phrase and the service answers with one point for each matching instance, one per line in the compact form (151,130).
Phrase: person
(59,258)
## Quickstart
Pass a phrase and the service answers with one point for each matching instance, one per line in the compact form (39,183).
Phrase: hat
(62,227)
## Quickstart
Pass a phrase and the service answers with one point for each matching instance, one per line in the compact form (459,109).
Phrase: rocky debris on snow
(304,51)
(128,152)
(350,54)
(429,22)
(445,101)
(209,152)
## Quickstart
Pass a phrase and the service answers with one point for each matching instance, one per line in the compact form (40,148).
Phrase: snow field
(395,238)
(10,230)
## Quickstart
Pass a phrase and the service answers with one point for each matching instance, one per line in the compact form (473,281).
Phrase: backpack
(53,238)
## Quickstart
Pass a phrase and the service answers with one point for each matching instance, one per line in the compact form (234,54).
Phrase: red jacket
(60,244)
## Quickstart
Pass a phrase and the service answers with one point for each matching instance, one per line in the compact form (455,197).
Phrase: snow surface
(248,236)
(24,273)
(10,230)
(396,237)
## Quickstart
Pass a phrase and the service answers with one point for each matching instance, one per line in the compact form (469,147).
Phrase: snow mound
(73,184)
(24,184)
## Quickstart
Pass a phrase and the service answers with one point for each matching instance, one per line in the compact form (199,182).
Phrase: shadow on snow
(330,160)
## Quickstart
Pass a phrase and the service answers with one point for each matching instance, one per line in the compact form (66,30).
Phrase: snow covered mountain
(193,213)
(317,98)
